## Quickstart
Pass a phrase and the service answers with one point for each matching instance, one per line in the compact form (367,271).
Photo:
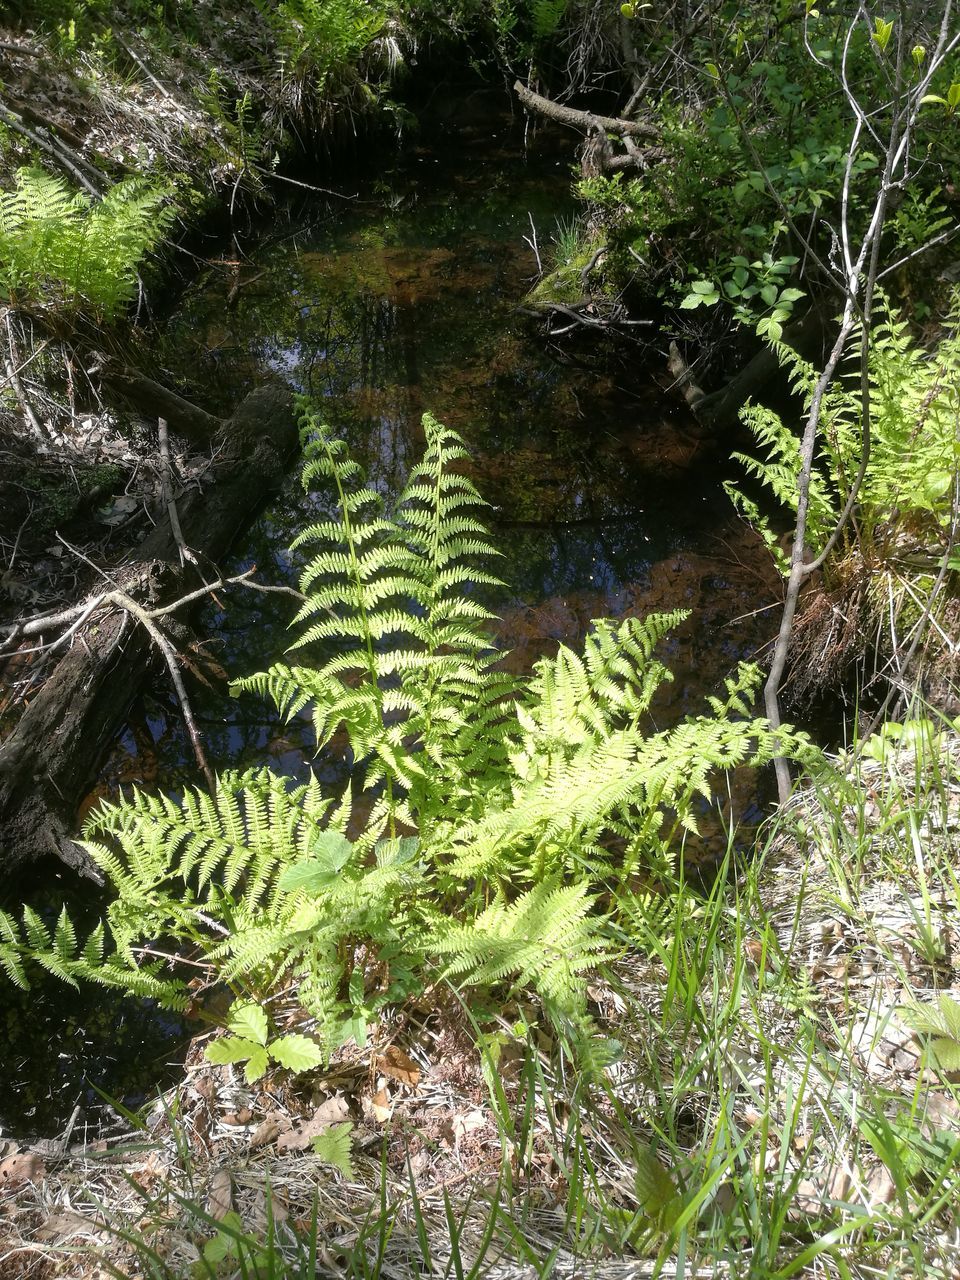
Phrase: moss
(562,284)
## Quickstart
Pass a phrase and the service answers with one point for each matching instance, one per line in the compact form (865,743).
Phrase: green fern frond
(546,939)
(59,248)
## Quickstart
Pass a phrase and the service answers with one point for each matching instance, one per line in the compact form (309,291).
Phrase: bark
(721,409)
(50,761)
(154,400)
(585,120)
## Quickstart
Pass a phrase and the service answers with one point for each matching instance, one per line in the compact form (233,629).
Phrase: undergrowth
(777,1106)
(489,825)
(886,584)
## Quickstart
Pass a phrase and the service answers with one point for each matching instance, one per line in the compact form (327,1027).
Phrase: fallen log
(585,120)
(50,760)
(721,409)
(154,400)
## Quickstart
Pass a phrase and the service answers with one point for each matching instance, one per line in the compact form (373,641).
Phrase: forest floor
(805,1023)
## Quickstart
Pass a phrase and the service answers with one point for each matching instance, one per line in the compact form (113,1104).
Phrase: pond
(606,497)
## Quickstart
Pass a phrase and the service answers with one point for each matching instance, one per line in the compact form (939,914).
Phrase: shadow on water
(606,497)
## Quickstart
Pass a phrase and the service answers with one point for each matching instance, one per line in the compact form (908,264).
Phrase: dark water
(606,497)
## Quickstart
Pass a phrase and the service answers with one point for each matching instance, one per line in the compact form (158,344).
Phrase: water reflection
(605,498)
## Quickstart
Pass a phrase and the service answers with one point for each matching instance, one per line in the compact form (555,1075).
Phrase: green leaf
(223,1243)
(924,1019)
(249,1022)
(691,302)
(771,328)
(953,96)
(309,875)
(230,1049)
(936,484)
(295,1052)
(704,287)
(654,1187)
(332,850)
(333,1147)
(257,1065)
(792,295)
(353,1028)
(950,1011)
(946,1054)
(882,31)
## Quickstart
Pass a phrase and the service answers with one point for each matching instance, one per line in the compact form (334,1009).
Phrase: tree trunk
(50,760)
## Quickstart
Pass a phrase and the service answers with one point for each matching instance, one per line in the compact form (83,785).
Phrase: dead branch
(584,120)
(49,761)
(157,401)
(166,485)
(10,362)
(63,156)
(42,623)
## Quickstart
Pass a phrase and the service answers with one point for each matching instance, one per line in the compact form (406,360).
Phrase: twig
(263,586)
(860,279)
(307,186)
(58,150)
(533,243)
(13,377)
(170,657)
(43,622)
(26,364)
(144,68)
(166,484)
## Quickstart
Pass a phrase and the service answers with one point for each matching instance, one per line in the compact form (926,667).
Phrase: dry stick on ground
(57,150)
(78,615)
(49,762)
(10,361)
(585,120)
(118,597)
(166,484)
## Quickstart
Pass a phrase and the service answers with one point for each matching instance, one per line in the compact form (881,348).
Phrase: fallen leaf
(220,1195)
(60,1226)
(881,1188)
(243,1116)
(466,1123)
(379,1106)
(24,1167)
(334,1111)
(268,1129)
(119,510)
(206,1086)
(399,1066)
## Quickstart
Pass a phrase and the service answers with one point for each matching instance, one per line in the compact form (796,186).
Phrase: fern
(411,666)
(908,483)
(60,249)
(495,802)
(547,939)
